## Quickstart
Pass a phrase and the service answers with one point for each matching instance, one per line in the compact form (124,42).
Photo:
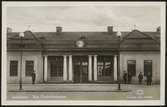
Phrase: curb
(69,90)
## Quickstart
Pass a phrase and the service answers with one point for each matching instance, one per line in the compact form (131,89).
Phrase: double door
(80,68)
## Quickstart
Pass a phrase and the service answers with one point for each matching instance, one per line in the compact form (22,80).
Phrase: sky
(83,18)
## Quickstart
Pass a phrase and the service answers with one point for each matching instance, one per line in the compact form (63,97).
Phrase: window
(13,68)
(132,67)
(104,65)
(56,65)
(29,67)
(147,67)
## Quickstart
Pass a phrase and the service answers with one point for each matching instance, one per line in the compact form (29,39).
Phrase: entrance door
(80,68)
(131,67)
(147,67)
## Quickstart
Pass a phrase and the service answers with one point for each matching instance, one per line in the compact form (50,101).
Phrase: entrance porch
(80,68)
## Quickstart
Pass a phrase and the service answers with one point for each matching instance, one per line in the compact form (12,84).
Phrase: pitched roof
(67,35)
(94,40)
(137,40)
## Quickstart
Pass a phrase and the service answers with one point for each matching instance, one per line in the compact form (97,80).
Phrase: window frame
(11,69)
(102,64)
(58,63)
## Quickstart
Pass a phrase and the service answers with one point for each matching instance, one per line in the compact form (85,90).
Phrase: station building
(82,57)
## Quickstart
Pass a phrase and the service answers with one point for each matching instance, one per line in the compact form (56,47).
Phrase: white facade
(139,57)
(42,68)
(38,66)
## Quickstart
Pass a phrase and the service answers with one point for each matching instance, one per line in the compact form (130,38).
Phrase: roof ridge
(150,37)
(126,36)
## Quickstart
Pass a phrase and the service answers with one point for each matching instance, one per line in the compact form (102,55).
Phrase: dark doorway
(147,67)
(132,67)
(80,68)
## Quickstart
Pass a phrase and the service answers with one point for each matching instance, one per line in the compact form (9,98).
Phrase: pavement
(83,92)
(67,88)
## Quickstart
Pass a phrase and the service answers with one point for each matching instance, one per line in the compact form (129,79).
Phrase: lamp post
(21,35)
(119,81)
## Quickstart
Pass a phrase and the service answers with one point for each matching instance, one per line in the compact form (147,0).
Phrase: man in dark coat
(140,77)
(33,77)
(129,77)
(149,78)
(125,77)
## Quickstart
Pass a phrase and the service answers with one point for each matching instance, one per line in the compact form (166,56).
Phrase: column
(65,68)
(90,68)
(95,67)
(115,67)
(45,68)
(70,67)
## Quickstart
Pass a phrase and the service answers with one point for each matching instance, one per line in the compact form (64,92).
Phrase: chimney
(158,29)
(110,29)
(58,29)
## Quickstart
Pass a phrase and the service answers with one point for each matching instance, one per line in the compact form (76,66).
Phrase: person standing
(140,77)
(33,77)
(125,77)
(149,78)
(129,77)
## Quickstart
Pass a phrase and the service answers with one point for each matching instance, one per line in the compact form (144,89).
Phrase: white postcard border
(71,102)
